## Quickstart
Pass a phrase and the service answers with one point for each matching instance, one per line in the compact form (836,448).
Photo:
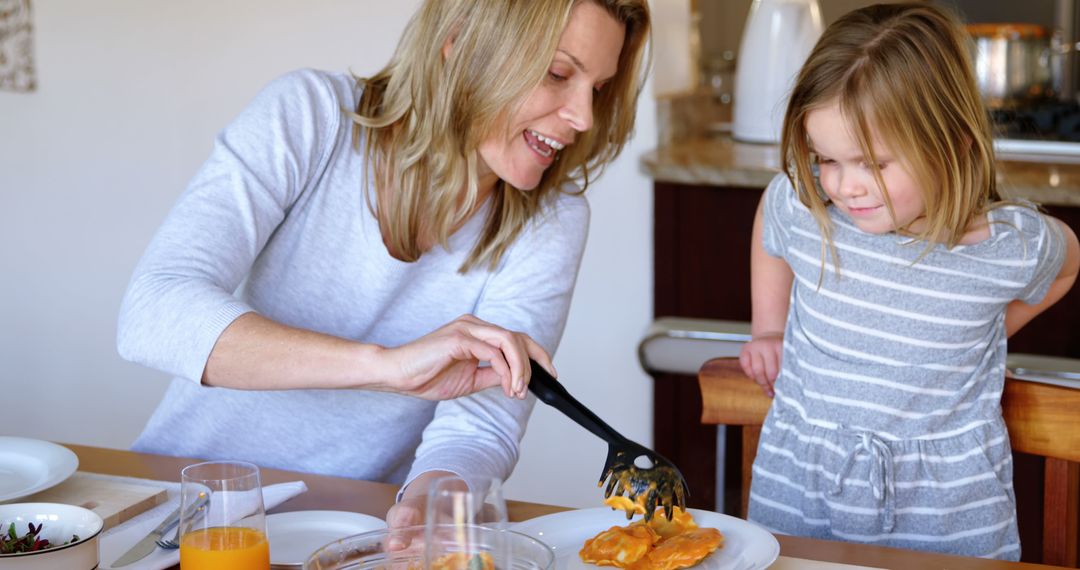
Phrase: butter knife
(147,545)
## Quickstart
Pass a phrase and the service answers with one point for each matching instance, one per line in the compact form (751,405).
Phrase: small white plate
(746,545)
(31,465)
(295,535)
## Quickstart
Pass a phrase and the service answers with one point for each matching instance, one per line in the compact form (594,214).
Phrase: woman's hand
(445,363)
(410,510)
(760,360)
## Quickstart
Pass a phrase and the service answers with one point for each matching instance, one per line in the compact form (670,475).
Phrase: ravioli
(680,522)
(659,544)
(619,546)
(623,503)
(682,550)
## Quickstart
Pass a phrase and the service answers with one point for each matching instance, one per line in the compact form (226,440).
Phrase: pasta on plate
(659,544)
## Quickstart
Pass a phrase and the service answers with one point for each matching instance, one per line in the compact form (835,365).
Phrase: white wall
(130,95)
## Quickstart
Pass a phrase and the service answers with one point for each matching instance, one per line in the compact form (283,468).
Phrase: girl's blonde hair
(423,116)
(903,72)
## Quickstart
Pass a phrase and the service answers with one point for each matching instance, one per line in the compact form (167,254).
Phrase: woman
(356,249)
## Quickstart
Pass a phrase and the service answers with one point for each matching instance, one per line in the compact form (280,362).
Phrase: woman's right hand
(760,360)
(445,363)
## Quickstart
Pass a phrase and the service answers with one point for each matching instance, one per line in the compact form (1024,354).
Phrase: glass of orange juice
(229,531)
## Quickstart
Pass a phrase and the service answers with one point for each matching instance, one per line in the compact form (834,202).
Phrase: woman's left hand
(410,510)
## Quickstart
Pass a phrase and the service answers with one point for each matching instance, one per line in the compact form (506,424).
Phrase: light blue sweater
(276,222)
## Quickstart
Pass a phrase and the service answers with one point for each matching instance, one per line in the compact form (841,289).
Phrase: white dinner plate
(295,535)
(31,465)
(747,546)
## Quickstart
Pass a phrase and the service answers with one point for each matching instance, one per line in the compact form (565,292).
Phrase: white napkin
(117,540)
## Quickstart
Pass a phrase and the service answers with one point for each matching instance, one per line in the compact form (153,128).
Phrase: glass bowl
(410,548)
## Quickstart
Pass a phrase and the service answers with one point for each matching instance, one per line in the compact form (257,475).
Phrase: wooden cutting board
(114,501)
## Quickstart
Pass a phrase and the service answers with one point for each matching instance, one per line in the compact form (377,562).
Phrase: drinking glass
(229,531)
(476,501)
(459,519)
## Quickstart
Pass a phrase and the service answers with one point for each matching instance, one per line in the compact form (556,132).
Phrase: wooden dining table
(372,498)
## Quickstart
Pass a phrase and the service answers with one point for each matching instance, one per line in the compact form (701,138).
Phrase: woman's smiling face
(848,178)
(561,106)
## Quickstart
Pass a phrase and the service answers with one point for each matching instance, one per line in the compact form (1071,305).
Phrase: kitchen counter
(722,161)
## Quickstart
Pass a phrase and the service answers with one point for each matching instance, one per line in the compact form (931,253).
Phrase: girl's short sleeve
(1045,243)
(779,207)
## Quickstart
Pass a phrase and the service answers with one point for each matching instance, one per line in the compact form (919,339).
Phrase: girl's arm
(1020,313)
(770,290)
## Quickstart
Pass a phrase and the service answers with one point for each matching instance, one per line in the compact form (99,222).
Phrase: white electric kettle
(776,40)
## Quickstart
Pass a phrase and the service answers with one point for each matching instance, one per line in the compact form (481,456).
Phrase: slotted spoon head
(657,483)
(661,483)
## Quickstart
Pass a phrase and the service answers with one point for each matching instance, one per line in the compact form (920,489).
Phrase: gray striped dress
(886,427)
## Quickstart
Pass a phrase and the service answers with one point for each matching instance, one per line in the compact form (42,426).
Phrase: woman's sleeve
(530,293)
(181,295)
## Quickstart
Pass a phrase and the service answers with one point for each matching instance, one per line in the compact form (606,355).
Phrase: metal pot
(1015,63)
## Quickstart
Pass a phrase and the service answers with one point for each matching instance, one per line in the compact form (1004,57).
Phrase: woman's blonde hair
(903,72)
(423,116)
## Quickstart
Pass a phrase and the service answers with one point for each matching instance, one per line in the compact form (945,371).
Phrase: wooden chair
(1042,419)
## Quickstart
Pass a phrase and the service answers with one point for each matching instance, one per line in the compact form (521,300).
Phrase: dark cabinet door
(702,270)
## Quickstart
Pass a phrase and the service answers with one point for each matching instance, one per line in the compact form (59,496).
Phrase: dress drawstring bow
(880,477)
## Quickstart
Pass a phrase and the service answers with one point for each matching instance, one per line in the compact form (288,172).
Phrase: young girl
(887,275)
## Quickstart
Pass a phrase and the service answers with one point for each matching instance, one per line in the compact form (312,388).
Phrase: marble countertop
(721,161)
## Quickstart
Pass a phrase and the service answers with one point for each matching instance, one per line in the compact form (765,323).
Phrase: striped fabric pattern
(886,427)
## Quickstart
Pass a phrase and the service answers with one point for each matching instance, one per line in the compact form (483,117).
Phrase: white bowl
(61,522)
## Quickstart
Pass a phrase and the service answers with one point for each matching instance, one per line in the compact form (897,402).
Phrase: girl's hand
(760,360)
(445,363)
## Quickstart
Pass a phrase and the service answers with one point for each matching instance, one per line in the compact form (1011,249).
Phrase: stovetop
(1043,132)
(1053,121)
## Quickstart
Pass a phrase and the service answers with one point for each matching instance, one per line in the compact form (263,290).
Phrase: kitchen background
(721,21)
(718,25)
(129,96)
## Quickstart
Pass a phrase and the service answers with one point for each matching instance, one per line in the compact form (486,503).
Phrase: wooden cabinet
(702,270)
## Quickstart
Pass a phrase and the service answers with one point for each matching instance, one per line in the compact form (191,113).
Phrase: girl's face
(848,178)
(561,106)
